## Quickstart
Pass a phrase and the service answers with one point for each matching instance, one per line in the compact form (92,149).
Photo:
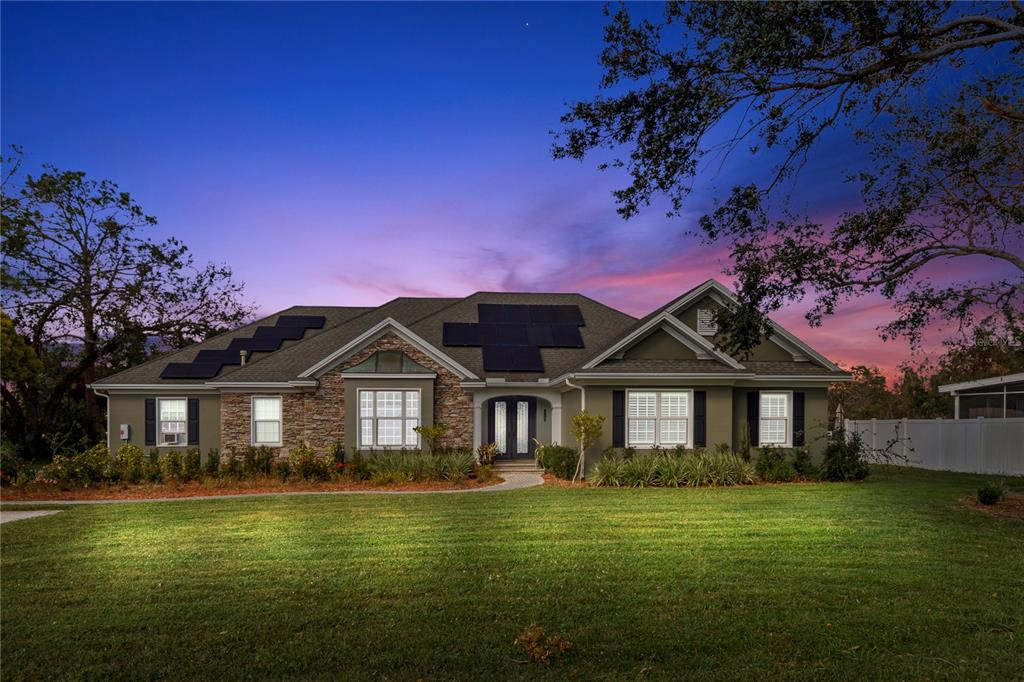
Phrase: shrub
(484,472)
(773,467)
(152,471)
(230,466)
(992,492)
(13,469)
(844,459)
(191,465)
(306,463)
(130,463)
(671,471)
(486,452)
(81,469)
(803,465)
(171,465)
(262,461)
(559,460)
(337,453)
(212,462)
(358,468)
(641,471)
(457,466)
(282,469)
(696,469)
(431,435)
(608,471)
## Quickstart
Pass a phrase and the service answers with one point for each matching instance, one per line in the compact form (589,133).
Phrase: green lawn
(890,578)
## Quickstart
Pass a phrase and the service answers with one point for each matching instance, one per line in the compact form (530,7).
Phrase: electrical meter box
(126,432)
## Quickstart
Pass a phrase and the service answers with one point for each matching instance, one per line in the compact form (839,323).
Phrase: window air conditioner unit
(172,439)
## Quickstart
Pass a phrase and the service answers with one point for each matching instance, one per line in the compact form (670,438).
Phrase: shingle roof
(425,317)
(149,372)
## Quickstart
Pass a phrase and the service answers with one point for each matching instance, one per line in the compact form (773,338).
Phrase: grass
(890,578)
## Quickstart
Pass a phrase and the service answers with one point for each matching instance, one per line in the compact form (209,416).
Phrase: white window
(173,425)
(774,428)
(706,325)
(658,418)
(266,420)
(389,419)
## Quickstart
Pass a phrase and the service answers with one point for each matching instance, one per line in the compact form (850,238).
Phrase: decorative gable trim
(378,330)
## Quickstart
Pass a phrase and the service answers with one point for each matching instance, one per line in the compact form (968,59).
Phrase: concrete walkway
(511,482)
(6,516)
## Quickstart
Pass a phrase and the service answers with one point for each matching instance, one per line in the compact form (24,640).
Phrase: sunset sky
(348,154)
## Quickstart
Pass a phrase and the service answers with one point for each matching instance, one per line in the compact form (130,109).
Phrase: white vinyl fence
(976,446)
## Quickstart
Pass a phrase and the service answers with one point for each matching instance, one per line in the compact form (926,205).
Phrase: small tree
(431,434)
(586,428)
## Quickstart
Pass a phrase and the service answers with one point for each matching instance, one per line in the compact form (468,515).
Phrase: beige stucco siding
(131,409)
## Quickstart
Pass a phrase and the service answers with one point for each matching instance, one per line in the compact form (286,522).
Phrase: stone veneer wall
(318,417)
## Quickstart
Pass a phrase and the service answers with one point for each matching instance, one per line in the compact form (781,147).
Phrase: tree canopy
(948,176)
(89,293)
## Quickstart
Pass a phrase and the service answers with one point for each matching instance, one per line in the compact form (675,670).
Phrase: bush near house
(130,465)
(845,459)
(558,460)
(624,467)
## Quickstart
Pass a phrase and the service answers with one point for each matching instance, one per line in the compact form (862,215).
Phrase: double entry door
(511,425)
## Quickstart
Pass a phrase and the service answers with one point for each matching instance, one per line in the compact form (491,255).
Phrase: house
(506,368)
(998,397)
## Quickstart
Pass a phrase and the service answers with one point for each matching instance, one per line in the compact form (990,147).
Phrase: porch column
(556,421)
(956,406)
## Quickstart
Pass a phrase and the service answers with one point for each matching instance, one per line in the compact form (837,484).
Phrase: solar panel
(568,314)
(224,357)
(190,370)
(490,313)
(504,335)
(566,336)
(305,321)
(255,345)
(460,334)
(526,359)
(541,336)
(283,333)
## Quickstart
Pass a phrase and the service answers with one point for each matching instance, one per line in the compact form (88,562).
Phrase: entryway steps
(516,466)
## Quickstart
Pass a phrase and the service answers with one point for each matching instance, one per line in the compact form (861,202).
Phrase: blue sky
(347,153)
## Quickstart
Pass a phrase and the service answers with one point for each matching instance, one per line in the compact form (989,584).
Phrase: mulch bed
(1011,508)
(215,488)
(556,482)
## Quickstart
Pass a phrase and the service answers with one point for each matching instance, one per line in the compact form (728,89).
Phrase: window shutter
(193,421)
(700,419)
(753,406)
(618,419)
(150,421)
(798,418)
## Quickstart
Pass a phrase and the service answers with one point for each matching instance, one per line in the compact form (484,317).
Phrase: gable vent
(706,325)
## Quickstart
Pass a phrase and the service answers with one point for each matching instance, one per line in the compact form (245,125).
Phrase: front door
(511,426)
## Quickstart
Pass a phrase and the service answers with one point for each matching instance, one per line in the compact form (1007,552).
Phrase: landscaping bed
(242,487)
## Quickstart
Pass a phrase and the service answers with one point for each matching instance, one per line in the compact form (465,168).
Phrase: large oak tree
(87,293)
(947,183)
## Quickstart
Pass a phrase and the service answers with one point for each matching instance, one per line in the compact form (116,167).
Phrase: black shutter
(193,421)
(700,419)
(150,421)
(798,418)
(618,419)
(753,405)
